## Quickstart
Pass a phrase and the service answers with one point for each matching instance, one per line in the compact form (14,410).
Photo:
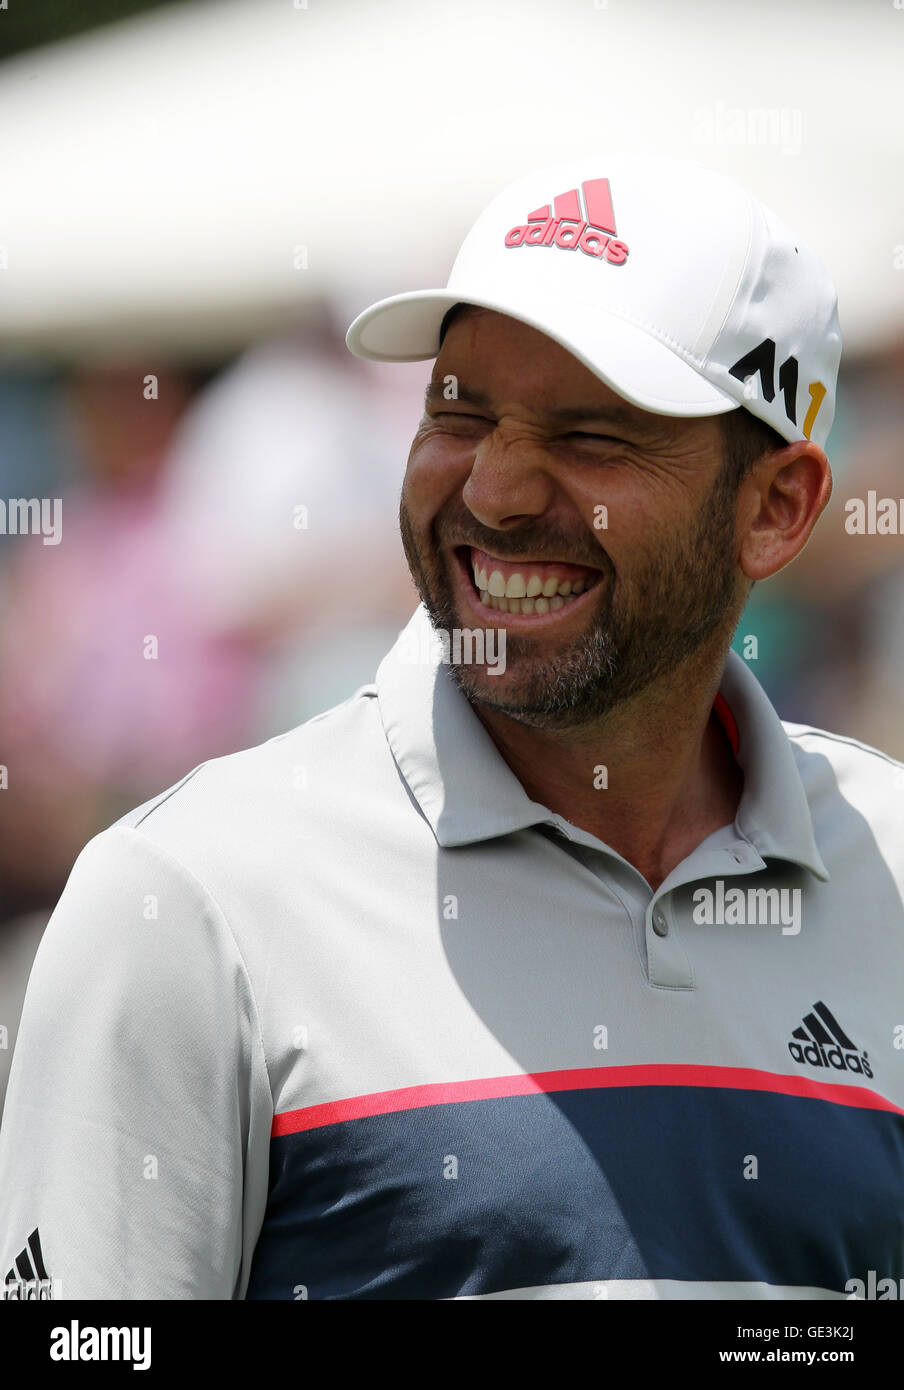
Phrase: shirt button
(660,925)
(737,857)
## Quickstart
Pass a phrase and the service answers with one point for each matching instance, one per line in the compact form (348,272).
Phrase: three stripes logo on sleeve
(820,1041)
(28,1279)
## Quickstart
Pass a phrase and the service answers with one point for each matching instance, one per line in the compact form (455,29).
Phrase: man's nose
(509,482)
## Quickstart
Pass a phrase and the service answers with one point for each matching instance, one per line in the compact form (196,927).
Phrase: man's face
(505,486)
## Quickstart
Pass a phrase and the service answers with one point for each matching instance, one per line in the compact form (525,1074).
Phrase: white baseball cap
(681,291)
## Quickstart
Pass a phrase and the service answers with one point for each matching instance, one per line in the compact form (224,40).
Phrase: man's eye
(448,419)
(584,434)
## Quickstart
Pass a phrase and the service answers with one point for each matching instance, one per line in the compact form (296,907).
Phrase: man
(559,968)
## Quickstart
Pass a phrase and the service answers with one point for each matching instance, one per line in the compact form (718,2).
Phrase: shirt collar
(774,814)
(467,792)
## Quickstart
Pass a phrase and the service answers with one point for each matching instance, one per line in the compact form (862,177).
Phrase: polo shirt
(349,1016)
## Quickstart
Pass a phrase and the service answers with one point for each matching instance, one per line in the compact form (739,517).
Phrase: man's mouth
(529,587)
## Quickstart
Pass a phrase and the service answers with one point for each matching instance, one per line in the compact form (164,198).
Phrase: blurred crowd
(229,565)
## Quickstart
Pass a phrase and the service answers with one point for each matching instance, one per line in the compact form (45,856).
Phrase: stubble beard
(636,635)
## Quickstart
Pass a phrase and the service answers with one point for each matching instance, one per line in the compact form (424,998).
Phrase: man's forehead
(496,359)
(499,340)
(550,404)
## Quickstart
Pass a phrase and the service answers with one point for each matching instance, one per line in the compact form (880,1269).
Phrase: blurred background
(195,201)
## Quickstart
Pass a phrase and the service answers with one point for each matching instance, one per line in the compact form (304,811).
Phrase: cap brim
(628,359)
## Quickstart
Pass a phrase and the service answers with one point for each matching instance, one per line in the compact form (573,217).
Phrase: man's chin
(544,680)
(488,693)
(548,691)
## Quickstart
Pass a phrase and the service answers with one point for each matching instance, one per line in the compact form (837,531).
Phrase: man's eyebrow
(570,414)
(562,415)
(436,391)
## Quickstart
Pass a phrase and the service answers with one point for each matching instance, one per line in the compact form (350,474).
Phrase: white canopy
(190,177)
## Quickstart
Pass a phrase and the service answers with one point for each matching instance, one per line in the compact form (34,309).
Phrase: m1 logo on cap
(760,361)
(571,227)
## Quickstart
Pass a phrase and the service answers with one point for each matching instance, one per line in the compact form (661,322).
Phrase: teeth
(533,594)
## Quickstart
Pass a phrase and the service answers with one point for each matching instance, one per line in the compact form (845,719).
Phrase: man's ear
(779,503)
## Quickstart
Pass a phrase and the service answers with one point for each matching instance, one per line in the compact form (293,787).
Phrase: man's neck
(652,779)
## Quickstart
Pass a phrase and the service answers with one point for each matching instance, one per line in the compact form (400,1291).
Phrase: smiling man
(573,976)
(615,637)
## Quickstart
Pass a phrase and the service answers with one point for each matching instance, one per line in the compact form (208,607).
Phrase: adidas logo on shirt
(820,1041)
(28,1279)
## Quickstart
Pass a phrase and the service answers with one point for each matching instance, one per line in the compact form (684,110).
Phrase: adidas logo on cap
(822,1042)
(572,227)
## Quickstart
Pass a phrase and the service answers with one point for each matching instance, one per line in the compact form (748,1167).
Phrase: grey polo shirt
(347,1015)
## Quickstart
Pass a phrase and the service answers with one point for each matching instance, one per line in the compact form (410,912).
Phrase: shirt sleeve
(136,1128)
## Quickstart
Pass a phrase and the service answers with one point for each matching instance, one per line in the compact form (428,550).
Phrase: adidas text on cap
(672,283)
